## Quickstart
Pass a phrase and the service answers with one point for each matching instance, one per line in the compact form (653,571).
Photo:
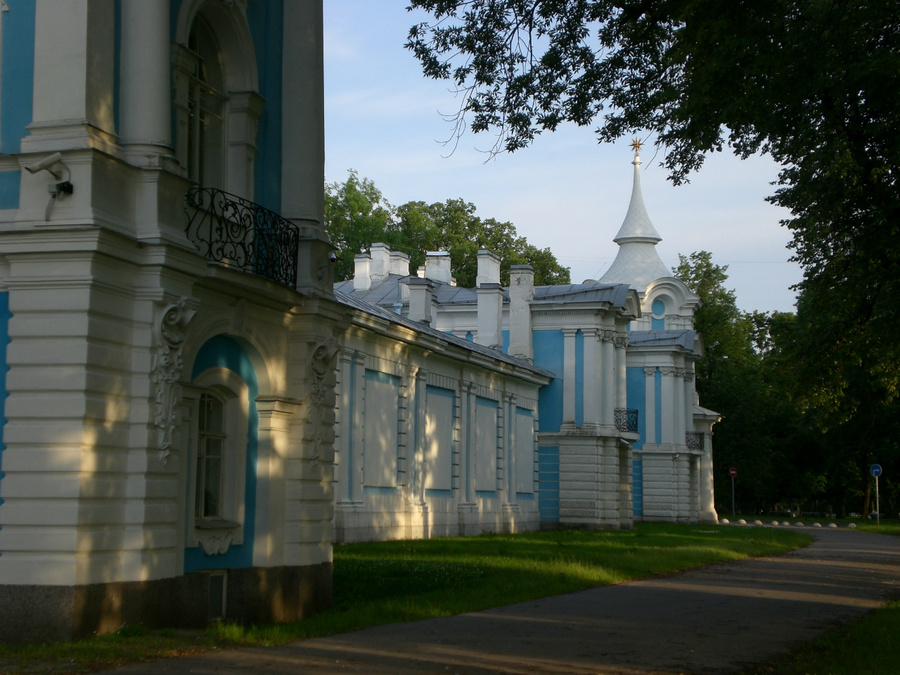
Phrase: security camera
(44,164)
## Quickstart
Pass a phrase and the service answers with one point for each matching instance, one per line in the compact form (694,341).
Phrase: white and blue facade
(672,458)
(168,333)
(620,434)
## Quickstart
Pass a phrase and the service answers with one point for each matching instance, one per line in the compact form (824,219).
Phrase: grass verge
(387,582)
(868,645)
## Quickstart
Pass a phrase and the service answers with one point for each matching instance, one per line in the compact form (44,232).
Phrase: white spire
(637,263)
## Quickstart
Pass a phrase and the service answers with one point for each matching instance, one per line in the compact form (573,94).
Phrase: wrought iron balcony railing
(626,419)
(694,441)
(235,232)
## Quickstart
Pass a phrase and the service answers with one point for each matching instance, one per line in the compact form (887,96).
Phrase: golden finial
(636,146)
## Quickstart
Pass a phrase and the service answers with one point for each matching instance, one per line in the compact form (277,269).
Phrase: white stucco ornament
(166,370)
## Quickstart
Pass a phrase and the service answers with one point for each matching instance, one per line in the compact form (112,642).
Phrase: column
(670,414)
(74,76)
(509,468)
(621,343)
(145,89)
(569,375)
(417,452)
(593,377)
(650,436)
(345,429)
(609,372)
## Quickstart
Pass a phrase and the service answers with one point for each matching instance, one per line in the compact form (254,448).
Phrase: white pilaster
(73,76)
(592,377)
(303,115)
(569,375)
(145,87)
(650,406)
(608,380)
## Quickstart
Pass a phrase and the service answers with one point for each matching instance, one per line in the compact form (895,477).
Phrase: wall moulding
(165,372)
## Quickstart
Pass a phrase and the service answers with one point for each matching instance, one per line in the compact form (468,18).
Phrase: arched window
(217,403)
(217,101)
(206,109)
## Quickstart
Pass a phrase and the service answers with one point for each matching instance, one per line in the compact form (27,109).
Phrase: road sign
(733,472)
(875,470)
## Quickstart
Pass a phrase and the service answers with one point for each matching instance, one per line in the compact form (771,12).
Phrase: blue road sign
(875,470)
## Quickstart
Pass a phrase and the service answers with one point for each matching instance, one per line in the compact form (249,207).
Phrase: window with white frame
(211,440)
(219,405)
(206,109)
(217,101)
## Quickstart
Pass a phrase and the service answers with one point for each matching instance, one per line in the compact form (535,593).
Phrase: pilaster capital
(606,336)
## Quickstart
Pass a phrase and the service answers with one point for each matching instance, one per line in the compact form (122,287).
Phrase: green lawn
(385,582)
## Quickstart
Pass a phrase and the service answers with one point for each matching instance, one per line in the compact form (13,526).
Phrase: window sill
(216,524)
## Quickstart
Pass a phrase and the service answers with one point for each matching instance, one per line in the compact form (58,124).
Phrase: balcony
(626,419)
(694,441)
(234,232)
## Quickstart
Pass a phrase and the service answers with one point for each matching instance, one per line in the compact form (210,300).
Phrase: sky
(566,192)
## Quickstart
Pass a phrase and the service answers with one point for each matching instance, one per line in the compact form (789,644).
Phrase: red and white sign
(732,472)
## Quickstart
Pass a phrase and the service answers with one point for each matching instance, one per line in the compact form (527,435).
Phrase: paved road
(712,620)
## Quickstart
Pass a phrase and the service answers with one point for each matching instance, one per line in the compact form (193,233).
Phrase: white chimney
(381,261)
(361,279)
(437,266)
(521,293)
(490,314)
(488,268)
(399,263)
(421,293)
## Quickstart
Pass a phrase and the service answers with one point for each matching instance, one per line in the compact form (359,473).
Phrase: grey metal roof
(387,293)
(392,317)
(663,338)
(589,291)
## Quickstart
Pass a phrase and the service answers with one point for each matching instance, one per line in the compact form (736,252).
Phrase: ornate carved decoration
(649,370)
(215,542)
(165,372)
(321,386)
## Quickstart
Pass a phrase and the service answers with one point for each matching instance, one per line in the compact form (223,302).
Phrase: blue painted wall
(17,77)
(635,388)
(226,352)
(549,354)
(16,90)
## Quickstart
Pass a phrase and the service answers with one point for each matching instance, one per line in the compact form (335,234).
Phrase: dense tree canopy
(357,216)
(813,83)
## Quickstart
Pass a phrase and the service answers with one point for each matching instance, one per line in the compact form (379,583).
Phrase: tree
(811,82)
(357,216)
(741,376)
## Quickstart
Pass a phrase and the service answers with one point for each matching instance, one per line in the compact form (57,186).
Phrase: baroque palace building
(192,412)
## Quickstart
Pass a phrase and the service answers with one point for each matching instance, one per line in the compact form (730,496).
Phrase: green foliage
(745,376)
(357,216)
(811,83)
(865,646)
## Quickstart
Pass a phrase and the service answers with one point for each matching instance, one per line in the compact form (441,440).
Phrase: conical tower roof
(637,262)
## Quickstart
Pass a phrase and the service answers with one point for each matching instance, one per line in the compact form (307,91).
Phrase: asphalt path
(713,620)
